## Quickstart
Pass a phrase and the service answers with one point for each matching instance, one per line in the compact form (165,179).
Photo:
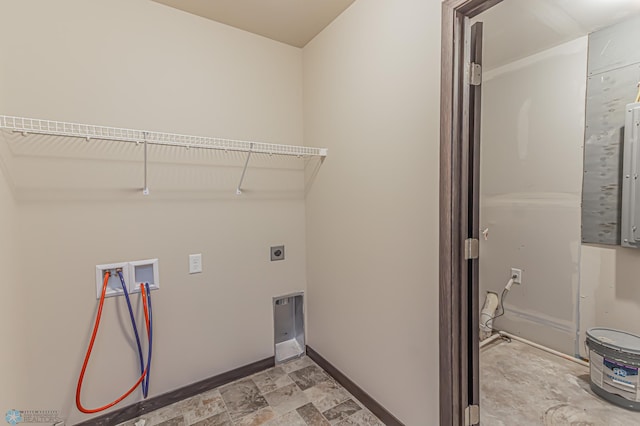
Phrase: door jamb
(454,380)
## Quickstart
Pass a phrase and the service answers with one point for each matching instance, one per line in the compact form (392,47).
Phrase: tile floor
(297,393)
(524,386)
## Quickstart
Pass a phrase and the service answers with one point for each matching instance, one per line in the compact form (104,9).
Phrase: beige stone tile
(342,411)
(291,418)
(272,379)
(361,418)
(258,418)
(220,419)
(327,395)
(178,421)
(286,398)
(312,416)
(309,376)
(242,398)
(207,405)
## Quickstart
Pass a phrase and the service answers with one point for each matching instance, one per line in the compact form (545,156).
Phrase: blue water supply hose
(145,381)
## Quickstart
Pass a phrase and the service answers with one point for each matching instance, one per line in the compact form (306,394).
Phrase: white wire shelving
(89,131)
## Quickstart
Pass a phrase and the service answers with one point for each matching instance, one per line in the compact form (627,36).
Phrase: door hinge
(475,74)
(472,415)
(471,248)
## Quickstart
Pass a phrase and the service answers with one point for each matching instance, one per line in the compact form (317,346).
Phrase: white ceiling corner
(294,22)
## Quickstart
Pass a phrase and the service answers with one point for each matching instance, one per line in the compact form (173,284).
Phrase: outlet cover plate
(195,263)
(516,274)
(277,253)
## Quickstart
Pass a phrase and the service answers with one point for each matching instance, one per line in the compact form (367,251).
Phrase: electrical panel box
(630,234)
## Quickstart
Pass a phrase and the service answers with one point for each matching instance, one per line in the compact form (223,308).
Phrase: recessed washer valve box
(142,272)
(114,285)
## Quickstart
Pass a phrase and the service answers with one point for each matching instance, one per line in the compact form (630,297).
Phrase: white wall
(136,63)
(14,312)
(531,178)
(609,290)
(371,86)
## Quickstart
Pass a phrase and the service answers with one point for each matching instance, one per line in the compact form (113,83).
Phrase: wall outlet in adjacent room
(516,274)
(195,263)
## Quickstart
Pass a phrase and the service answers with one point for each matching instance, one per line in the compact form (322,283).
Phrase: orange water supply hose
(88,355)
(145,306)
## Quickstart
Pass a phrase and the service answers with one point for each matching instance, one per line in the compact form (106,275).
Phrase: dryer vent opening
(288,321)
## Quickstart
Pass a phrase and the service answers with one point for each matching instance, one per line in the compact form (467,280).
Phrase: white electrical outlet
(114,286)
(516,274)
(195,263)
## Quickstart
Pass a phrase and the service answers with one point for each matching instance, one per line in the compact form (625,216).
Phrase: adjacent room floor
(298,393)
(521,385)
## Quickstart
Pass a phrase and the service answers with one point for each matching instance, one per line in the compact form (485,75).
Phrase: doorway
(461,267)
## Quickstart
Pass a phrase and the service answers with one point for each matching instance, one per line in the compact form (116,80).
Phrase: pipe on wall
(504,334)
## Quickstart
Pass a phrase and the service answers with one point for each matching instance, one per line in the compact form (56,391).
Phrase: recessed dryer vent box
(141,272)
(288,321)
(114,286)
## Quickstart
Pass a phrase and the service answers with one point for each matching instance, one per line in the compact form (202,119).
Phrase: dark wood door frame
(456,381)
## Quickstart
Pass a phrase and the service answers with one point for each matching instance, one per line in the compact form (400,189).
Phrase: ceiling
(514,29)
(294,22)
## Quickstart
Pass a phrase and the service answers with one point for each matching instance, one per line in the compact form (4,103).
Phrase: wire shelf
(88,131)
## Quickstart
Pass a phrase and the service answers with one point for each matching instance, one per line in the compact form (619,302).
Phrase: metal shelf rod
(244,170)
(145,190)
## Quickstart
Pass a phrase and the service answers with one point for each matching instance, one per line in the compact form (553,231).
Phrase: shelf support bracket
(244,170)
(145,190)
